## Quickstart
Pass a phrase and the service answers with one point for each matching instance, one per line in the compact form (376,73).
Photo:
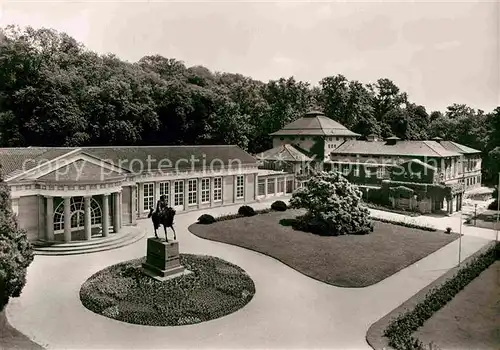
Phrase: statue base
(163,260)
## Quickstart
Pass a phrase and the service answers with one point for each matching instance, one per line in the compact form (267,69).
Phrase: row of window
(471,181)
(192,191)
(381,172)
(273,187)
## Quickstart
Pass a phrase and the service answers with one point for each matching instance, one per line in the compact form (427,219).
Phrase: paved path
(289,310)
(439,222)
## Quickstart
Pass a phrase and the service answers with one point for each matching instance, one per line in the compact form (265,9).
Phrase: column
(256,187)
(87,222)
(116,212)
(105,215)
(67,219)
(186,188)
(157,192)
(234,188)
(133,209)
(49,219)
(265,187)
(198,192)
(140,194)
(171,193)
(276,186)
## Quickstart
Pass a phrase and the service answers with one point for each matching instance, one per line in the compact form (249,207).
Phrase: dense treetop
(55,92)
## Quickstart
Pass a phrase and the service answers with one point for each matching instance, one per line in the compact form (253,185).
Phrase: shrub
(448,230)
(246,210)
(493,205)
(206,219)
(16,251)
(279,206)
(400,330)
(333,206)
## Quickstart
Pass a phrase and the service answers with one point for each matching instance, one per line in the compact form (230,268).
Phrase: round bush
(215,288)
(206,219)
(279,206)
(493,205)
(246,210)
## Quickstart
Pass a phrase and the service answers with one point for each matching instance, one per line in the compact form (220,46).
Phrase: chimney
(372,137)
(392,140)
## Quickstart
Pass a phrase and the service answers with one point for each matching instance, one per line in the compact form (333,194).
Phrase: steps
(114,241)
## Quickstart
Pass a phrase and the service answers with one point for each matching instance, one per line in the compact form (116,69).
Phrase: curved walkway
(289,310)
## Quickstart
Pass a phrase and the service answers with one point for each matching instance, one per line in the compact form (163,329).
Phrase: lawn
(215,288)
(344,261)
(12,339)
(470,320)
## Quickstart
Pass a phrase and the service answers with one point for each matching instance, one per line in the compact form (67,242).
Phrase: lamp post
(475,214)
(461,212)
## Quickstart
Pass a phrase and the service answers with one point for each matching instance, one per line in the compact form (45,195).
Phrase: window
(270,186)
(165,191)
(77,218)
(289,186)
(338,138)
(240,186)
(356,171)
(217,189)
(205,190)
(261,187)
(192,191)
(282,138)
(148,199)
(281,185)
(380,173)
(178,192)
(345,170)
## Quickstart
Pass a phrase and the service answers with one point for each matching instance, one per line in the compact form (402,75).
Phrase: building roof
(314,123)
(399,148)
(132,158)
(456,147)
(286,153)
(80,171)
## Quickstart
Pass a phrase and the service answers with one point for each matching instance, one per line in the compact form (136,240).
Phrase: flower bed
(407,223)
(215,288)
(400,330)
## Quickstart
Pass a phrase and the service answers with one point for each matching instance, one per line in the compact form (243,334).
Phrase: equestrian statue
(163,215)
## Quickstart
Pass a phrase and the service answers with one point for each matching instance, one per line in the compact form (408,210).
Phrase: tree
(333,205)
(16,253)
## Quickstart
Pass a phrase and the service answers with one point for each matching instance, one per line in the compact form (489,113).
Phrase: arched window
(77,214)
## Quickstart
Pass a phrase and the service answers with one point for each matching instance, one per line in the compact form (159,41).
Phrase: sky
(440,53)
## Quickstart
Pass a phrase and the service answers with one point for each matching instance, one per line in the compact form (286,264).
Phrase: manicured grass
(345,261)
(470,319)
(215,288)
(12,339)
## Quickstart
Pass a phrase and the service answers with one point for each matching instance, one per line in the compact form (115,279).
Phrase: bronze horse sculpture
(164,217)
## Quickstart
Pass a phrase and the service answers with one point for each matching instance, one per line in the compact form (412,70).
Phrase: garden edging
(375,334)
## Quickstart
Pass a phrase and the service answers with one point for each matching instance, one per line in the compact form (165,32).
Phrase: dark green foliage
(246,210)
(400,330)
(279,206)
(206,219)
(406,224)
(215,288)
(16,253)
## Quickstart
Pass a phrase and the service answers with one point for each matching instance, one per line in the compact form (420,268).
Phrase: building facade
(74,194)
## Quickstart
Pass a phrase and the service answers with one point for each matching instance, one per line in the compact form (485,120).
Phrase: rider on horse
(163,215)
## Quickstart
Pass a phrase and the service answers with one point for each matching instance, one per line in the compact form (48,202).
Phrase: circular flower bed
(215,288)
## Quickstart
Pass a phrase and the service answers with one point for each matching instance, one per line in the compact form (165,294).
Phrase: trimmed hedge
(400,330)
(206,219)
(493,205)
(279,206)
(246,210)
(406,224)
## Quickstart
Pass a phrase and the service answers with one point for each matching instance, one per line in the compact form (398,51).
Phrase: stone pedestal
(162,260)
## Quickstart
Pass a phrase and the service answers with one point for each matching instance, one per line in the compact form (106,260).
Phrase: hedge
(405,224)
(400,330)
